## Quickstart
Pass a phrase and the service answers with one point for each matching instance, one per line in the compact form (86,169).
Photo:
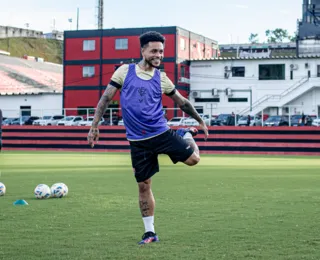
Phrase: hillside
(50,50)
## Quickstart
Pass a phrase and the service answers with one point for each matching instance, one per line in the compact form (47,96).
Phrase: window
(207,99)
(272,72)
(89,45)
(121,44)
(199,110)
(318,70)
(237,99)
(238,71)
(25,110)
(182,44)
(198,47)
(182,71)
(88,72)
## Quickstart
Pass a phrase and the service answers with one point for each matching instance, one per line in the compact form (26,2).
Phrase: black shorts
(144,154)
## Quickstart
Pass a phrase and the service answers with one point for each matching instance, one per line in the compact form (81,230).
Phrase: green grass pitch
(228,207)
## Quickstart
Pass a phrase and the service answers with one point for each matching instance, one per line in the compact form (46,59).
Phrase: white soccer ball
(2,189)
(59,190)
(42,191)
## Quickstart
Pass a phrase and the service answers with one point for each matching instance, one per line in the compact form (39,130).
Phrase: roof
(280,45)
(260,58)
(20,76)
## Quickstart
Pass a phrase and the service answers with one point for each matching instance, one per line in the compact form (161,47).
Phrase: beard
(149,62)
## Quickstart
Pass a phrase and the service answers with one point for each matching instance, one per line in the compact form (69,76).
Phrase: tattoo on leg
(144,208)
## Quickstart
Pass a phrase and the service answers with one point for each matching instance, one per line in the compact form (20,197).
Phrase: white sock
(149,223)
(187,136)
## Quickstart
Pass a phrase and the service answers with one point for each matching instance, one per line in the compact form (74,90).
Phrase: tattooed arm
(100,110)
(186,106)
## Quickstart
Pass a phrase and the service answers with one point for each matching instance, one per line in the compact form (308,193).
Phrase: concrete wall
(9,32)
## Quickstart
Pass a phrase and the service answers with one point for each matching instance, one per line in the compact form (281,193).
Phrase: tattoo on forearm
(188,108)
(103,104)
(144,208)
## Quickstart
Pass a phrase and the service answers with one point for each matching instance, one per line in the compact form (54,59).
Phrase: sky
(226,21)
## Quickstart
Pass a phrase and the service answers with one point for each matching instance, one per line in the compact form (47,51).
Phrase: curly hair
(151,36)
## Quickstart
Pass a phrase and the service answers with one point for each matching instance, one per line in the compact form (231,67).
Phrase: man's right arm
(116,83)
(103,104)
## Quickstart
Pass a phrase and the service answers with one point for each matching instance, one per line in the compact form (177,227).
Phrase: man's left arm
(186,106)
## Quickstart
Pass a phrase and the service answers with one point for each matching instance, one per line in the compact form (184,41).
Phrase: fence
(253,140)
(212,111)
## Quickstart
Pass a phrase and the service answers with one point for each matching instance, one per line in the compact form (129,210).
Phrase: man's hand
(93,136)
(204,127)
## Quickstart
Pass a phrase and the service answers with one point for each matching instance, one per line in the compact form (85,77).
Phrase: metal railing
(280,96)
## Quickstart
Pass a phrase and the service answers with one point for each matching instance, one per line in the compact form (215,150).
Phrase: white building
(56,35)
(40,104)
(29,88)
(274,85)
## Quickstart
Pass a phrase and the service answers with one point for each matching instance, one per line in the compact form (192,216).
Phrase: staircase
(280,100)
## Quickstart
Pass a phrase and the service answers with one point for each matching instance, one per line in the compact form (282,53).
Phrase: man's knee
(144,186)
(192,160)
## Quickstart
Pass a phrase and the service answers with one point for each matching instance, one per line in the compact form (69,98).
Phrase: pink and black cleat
(192,130)
(148,237)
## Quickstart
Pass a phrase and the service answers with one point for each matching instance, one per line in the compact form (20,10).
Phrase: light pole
(70,21)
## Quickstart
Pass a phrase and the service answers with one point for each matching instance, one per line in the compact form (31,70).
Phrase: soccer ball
(42,191)
(2,189)
(59,190)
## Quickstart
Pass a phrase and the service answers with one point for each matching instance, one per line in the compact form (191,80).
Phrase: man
(141,87)
(248,120)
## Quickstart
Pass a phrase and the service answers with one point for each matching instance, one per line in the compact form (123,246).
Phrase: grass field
(227,207)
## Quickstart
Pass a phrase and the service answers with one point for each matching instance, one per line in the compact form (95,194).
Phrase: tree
(293,38)
(277,35)
(253,38)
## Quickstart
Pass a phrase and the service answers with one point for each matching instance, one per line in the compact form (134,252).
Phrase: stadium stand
(20,76)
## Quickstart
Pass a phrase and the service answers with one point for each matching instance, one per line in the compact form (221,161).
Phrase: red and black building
(91,57)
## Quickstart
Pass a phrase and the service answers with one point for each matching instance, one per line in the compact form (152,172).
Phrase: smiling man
(141,87)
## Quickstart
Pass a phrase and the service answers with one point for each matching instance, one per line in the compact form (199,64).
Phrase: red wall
(193,47)
(170,49)
(183,54)
(74,49)
(80,98)
(73,76)
(107,72)
(133,51)
(169,68)
(109,48)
